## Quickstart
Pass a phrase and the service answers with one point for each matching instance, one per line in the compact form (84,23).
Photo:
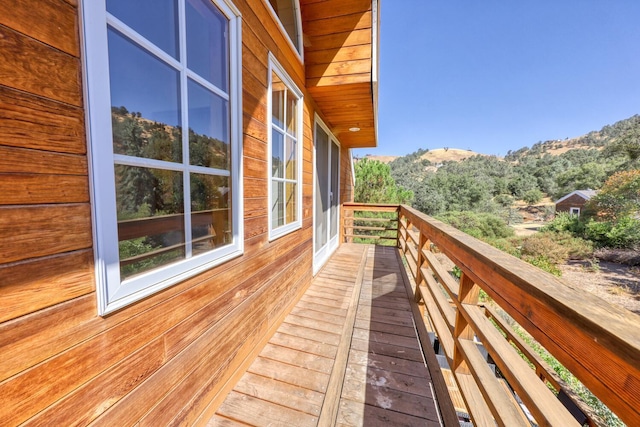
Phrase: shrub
(479,225)
(623,234)
(533,196)
(565,222)
(543,246)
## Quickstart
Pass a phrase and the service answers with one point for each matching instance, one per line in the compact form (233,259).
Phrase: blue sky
(496,75)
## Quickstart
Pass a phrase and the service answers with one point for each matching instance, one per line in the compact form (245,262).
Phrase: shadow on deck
(346,355)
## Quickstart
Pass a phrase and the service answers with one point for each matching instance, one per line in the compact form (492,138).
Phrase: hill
(444,180)
(435,156)
(441,155)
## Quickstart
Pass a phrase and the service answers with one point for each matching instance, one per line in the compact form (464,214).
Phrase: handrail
(379,226)
(598,342)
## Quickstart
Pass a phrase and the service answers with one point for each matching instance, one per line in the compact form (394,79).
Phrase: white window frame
(275,67)
(112,293)
(298,16)
(574,211)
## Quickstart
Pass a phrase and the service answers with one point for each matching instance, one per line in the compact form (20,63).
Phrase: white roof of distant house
(585,194)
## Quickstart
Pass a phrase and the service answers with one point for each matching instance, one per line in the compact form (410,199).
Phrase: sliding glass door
(326,195)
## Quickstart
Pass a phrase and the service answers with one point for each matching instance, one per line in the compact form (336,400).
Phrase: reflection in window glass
(150,218)
(145,105)
(284,150)
(277,150)
(210,212)
(156,20)
(277,204)
(288,15)
(290,156)
(277,101)
(207,52)
(208,128)
(291,205)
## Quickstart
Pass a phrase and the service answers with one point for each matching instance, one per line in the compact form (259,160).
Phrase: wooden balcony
(357,350)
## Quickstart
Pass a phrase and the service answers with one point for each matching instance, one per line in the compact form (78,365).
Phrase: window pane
(145,102)
(277,101)
(287,14)
(207,52)
(290,156)
(292,117)
(156,20)
(210,212)
(208,128)
(277,153)
(277,199)
(291,203)
(150,218)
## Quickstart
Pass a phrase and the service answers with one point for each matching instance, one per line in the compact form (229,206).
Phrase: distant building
(574,202)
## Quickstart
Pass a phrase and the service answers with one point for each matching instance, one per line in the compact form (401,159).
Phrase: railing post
(467,294)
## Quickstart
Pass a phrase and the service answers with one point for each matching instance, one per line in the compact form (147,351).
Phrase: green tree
(374,184)
(619,196)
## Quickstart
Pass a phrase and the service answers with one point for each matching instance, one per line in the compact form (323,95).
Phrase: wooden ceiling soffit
(341,63)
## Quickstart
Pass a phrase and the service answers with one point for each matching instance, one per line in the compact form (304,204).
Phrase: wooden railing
(598,342)
(364,223)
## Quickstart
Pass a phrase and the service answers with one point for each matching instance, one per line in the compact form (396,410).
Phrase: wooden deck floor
(346,355)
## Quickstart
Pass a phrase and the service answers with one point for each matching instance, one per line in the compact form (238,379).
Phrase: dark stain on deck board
(383,379)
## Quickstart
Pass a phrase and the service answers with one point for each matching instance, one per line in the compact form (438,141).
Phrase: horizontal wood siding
(574,201)
(168,358)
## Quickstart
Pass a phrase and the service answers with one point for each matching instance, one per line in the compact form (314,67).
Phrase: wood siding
(574,201)
(169,358)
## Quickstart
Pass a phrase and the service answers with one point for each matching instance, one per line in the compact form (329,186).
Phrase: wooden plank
(390,350)
(478,409)
(500,403)
(313,304)
(290,374)
(53,22)
(36,68)
(89,401)
(21,160)
(257,412)
(331,404)
(360,377)
(29,121)
(390,364)
(339,24)
(317,315)
(370,335)
(312,323)
(445,405)
(310,362)
(354,414)
(42,282)
(544,405)
(219,421)
(45,230)
(30,189)
(287,395)
(374,390)
(408,332)
(334,8)
(304,344)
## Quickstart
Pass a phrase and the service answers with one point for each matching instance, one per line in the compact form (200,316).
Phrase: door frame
(321,256)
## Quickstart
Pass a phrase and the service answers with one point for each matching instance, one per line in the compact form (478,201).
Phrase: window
(166,202)
(285,148)
(288,13)
(574,211)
